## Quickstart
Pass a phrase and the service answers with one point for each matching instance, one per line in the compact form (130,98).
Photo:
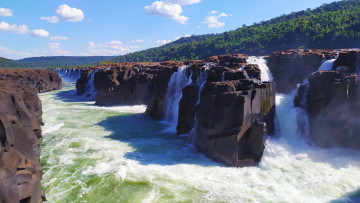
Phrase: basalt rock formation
(43,80)
(234,111)
(20,131)
(332,100)
(234,116)
(290,67)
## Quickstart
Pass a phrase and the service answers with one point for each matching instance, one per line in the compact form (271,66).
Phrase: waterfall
(201,82)
(261,62)
(70,73)
(178,81)
(327,65)
(90,90)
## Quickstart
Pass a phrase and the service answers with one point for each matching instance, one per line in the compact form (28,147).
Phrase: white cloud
(40,33)
(114,47)
(66,13)
(20,29)
(213,20)
(5,12)
(162,42)
(213,12)
(52,19)
(23,29)
(137,41)
(198,26)
(169,9)
(58,38)
(183,2)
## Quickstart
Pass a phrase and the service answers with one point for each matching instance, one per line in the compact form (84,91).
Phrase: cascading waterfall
(107,154)
(261,62)
(178,81)
(70,73)
(201,80)
(327,65)
(90,90)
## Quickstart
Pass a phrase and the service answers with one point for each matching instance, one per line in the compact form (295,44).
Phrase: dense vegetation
(51,61)
(61,61)
(7,63)
(334,25)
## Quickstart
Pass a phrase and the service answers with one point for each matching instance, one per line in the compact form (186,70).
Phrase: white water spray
(261,62)
(178,81)
(327,65)
(90,90)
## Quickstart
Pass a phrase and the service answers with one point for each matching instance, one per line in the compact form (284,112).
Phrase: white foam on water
(52,128)
(97,156)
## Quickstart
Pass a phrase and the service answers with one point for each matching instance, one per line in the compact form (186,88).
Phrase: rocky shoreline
(20,131)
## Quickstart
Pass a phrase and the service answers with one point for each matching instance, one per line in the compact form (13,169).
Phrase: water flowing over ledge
(137,159)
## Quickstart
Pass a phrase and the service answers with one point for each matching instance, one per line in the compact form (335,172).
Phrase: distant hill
(8,63)
(334,25)
(61,61)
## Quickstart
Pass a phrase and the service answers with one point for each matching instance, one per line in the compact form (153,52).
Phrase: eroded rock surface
(20,131)
(332,100)
(290,67)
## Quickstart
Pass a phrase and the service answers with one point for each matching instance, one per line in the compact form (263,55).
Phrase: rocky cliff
(231,115)
(290,67)
(332,99)
(20,131)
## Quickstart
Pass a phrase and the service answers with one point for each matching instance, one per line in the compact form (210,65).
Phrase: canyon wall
(20,131)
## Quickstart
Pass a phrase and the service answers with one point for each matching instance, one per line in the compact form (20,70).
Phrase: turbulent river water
(115,154)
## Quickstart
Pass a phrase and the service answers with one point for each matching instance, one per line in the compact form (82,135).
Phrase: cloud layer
(5,12)
(213,20)
(23,29)
(170,9)
(66,13)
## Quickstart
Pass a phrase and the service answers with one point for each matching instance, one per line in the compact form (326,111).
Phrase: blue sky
(116,27)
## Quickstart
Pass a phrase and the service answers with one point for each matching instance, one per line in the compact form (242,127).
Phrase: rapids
(115,154)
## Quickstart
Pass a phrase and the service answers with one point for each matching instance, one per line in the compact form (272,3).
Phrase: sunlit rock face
(20,131)
(331,99)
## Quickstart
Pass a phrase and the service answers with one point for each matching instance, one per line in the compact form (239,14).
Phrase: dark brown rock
(349,59)
(332,98)
(20,131)
(231,121)
(292,66)
(43,80)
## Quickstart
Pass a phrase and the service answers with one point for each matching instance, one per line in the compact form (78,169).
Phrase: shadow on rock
(151,144)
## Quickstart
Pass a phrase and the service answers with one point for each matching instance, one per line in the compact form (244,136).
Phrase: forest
(334,25)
